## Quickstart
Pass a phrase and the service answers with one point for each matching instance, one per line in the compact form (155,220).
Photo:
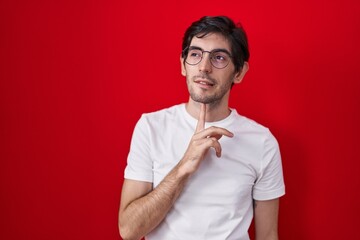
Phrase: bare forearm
(270,236)
(144,214)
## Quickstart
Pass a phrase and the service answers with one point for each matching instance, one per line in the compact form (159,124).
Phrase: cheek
(228,78)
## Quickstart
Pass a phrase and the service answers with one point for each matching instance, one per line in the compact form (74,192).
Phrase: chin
(203,99)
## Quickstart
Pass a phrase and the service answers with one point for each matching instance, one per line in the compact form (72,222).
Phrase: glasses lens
(220,59)
(194,56)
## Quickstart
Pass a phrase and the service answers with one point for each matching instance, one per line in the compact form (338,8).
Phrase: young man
(200,170)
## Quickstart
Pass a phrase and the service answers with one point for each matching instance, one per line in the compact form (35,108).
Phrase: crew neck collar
(224,122)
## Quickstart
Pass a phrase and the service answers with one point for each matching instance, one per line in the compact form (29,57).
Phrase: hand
(202,140)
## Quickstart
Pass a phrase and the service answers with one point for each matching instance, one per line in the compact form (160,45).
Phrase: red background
(76,75)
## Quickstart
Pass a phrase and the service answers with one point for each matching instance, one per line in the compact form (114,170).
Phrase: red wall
(76,75)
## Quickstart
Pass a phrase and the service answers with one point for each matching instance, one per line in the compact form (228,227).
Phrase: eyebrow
(214,50)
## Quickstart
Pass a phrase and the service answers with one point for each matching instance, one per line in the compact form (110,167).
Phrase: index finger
(201,121)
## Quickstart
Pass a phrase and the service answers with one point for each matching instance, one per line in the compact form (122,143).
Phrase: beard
(204,96)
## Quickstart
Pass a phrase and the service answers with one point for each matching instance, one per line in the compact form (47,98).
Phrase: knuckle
(194,142)
(213,141)
(213,128)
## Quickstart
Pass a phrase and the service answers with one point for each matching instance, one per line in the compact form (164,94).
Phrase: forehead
(211,41)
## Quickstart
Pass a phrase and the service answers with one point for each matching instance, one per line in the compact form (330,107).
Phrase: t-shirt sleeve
(139,162)
(270,182)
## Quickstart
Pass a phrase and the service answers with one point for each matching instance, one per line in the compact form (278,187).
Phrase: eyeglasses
(219,58)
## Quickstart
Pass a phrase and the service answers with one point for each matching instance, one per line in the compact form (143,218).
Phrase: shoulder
(247,124)
(158,117)
(166,112)
(254,130)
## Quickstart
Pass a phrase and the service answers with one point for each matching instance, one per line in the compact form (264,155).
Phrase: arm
(143,208)
(266,219)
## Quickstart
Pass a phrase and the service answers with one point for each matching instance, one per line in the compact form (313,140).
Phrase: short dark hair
(234,33)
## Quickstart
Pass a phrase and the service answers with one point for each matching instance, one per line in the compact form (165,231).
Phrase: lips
(204,82)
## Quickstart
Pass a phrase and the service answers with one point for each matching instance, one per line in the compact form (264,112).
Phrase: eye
(220,57)
(195,53)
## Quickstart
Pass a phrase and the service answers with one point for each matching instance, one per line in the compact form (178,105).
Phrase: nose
(205,64)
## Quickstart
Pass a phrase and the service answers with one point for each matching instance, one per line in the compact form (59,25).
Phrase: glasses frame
(188,49)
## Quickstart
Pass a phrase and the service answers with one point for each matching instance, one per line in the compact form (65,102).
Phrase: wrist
(184,169)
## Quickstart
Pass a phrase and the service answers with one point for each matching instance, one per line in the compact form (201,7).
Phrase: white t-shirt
(217,202)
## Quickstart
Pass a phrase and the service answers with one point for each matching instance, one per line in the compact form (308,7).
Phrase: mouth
(204,82)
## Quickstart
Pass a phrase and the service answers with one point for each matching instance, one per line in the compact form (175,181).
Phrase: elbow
(126,233)
(123,234)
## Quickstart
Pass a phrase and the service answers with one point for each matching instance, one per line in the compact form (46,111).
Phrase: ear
(240,75)
(183,69)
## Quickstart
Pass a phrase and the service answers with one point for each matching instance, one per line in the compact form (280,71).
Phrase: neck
(214,111)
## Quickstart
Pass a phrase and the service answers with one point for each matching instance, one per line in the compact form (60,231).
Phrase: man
(200,170)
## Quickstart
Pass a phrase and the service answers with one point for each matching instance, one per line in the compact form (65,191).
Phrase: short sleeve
(139,163)
(270,181)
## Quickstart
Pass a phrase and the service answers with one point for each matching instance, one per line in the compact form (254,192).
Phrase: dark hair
(234,33)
